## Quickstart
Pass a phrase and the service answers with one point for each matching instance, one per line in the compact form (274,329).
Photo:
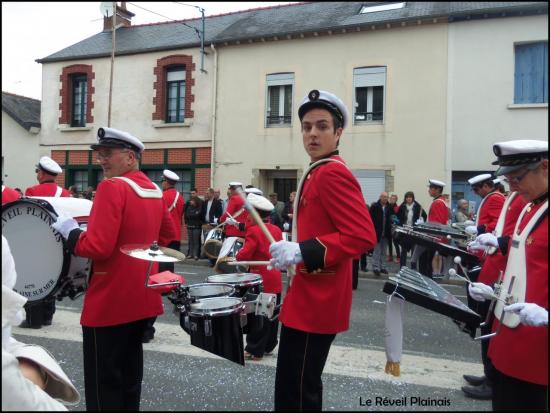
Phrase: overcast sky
(32,31)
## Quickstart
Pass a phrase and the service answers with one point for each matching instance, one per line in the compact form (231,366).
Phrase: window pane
(273,109)
(288,103)
(530,77)
(378,103)
(175,74)
(80,179)
(78,108)
(361,99)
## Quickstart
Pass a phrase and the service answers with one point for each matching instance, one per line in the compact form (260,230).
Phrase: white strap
(3,187)
(174,203)
(142,192)
(58,192)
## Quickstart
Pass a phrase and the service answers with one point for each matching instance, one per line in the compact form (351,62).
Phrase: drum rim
(233,309)
(245,283)
(231,287)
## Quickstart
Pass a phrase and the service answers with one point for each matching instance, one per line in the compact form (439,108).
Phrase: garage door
(373,182)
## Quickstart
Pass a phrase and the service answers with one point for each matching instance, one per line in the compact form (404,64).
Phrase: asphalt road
(178,376)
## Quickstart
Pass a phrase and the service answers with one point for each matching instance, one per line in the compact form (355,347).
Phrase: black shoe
(146,339)
(474,380)
(481,392)
(364,269)
(47,323)
(377,273)
(25,324)
(384,271)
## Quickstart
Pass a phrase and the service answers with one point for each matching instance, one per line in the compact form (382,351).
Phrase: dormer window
(381,7)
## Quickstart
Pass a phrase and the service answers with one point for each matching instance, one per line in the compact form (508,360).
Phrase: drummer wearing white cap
(519,351)
(235,214)
(256,248)
(331,226)
(41,313)
(128,209)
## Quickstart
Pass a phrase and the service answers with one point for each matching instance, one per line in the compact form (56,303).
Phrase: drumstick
(235,263)
(256,217)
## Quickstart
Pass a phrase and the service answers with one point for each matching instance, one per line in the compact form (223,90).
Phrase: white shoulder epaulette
(141,192)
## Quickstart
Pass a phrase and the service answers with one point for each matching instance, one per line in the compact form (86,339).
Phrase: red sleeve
(438,212)
(168,230)
(29,191)
(251,244)
(96,243)
(491,212)
(235,204)
(342,198)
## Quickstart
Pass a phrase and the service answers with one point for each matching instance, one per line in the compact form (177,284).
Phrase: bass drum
(213,243)
(44,266)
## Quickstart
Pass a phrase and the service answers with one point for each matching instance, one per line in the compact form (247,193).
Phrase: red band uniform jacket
(438,211)
(256,248)
(46,189)
(177,212)
(9,195)
(496,262)
(117,292)
(234,205)
(490,211)
(334,226)
(522,352)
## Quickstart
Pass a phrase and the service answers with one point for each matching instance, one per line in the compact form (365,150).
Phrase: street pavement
(178,376)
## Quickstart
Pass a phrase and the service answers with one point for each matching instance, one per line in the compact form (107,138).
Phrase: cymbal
(152,252)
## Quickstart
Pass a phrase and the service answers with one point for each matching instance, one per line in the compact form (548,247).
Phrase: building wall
(20,154)
(481,88)
(410,145)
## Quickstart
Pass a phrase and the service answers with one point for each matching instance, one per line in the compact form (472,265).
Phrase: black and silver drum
(44,266)
(214,325)
(213,243)
(209,290)
(228,252)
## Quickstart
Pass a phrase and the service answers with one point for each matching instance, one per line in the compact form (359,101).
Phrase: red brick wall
(202,155)
(202,179)
(78,157)
(152,156)
(65,92)
(177,156)
(60,179)
(159,100)
(59,157)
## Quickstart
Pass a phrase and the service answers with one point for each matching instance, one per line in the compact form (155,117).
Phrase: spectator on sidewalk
(380,212)
(394,209)
(409,212)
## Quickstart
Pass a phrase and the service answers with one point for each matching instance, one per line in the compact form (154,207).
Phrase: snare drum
(243,283)
(44,266)
(214,325)
(230,247)
(208,290)
(213,243)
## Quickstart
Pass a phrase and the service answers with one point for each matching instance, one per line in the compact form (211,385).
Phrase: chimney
(123,17)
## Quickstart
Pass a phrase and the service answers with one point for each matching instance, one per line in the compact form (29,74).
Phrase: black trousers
(113,366)
(363,262)
(264,339)
(488,368)
(355,274)
(300,363)
(511,394)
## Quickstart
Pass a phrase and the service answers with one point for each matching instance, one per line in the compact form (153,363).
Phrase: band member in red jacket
(9,194)
(128,209)
(490,206)
(41,313)
(331,226)
(46,172)
(256,248)
(235,214)
(519,351)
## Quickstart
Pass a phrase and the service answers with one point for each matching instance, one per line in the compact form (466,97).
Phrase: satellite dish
(106,8)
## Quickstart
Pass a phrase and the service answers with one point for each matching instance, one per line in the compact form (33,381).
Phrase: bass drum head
(238,279)
(215,307)
(37,249)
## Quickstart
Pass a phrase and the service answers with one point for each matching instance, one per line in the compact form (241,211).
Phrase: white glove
(530,314)
(468,222)
(480,291)
(487,239)
(471,229)
(286,226)
(419,221)
(285,253)
(232,221)
(215,220)
(65,224)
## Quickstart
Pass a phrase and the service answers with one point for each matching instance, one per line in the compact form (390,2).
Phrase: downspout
(215,104)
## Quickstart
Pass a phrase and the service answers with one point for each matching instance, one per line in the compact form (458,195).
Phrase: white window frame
(369,77)
(382,7)
(273,80)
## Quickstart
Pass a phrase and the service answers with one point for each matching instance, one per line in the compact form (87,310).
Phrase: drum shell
(197,295)
(213,243)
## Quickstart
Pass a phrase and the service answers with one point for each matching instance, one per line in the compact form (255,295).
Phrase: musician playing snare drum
(256,248)
(519,351)
(332,226)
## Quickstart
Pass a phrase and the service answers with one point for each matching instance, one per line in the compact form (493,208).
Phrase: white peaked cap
(435,182)
(259,202)
(49,165)
(253,191)
(480,178)
(168,174)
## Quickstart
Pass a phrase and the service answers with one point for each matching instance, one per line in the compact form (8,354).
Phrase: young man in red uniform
(46,172)
(331,226)
(256,248)
(41,313)
(519,351)
(235,214)
(128,209)
(490,206)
